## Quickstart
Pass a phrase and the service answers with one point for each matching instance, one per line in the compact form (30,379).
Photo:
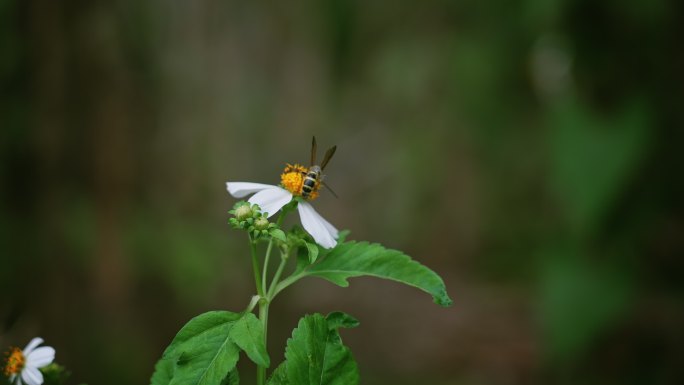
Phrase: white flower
(24,364)
(272,198)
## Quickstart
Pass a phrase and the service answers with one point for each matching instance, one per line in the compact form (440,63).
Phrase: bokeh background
(529,151)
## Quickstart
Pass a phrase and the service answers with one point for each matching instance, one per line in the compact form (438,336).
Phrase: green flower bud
(261,223)
(243,212)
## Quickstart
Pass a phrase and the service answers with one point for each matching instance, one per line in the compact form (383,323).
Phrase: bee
(313,176)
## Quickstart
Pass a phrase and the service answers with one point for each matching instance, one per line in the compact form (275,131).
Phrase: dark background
(527,151)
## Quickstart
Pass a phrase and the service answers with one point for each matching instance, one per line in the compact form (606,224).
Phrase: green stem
(266,261)
(284,284)
(260,280)
(263,316)
(256,267)
(283,261)
(279,221)
(252,304)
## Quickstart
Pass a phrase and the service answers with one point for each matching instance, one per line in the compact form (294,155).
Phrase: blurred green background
(528,151)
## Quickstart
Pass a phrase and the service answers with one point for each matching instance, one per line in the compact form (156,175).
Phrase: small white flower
(272,198)
(24,364)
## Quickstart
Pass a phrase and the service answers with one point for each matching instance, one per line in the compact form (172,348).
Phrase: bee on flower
(22,366)
(295,181)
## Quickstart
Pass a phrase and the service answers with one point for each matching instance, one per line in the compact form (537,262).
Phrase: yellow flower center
(15,361)
(292,178)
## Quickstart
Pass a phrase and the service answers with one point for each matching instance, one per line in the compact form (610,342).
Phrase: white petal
(12,377)
(32,345)
(32,376)
(271,200)
(242,189)
(40,357)
(322,232)
(331,229)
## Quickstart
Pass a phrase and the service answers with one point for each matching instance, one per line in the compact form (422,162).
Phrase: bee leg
(330,189)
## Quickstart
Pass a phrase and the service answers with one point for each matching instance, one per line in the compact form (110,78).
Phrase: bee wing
(313,151)
(328,154)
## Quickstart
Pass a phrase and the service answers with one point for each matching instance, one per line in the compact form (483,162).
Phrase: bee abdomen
(309,184)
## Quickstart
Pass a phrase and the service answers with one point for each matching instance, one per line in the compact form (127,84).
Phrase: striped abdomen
(310,182)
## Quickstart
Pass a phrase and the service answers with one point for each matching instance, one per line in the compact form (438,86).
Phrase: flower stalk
(266,292)
(263,317)
(255,267)
(276,278)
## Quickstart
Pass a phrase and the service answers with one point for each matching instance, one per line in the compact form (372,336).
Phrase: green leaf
(206,364)
(207,348)
(54,374)
(201,328)
(338,319)
(312,250)
(279,376)
(232,378)
(315,356)
(163,371)
(202,349)
(354,259)
(342,236)
(248,334)
(278,234)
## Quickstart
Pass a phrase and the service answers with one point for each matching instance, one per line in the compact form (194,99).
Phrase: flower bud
(243,212)
(261,223)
